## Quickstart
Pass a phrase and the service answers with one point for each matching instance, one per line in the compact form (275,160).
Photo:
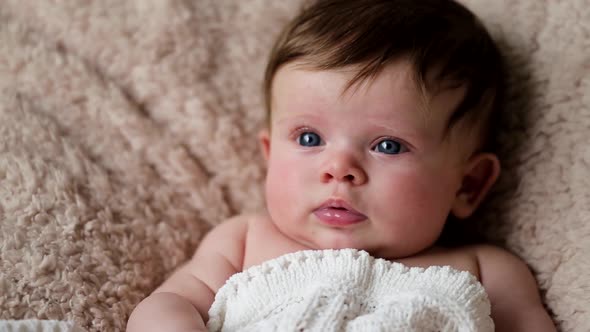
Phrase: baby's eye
(309,139)
(389,146)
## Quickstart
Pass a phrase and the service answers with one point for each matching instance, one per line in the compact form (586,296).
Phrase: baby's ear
(481,171)
(264,141)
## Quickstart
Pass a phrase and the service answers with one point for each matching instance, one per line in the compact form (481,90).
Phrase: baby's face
(368,168)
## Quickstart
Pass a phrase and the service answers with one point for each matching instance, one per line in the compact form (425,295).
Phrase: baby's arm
(513,292)
(182,302)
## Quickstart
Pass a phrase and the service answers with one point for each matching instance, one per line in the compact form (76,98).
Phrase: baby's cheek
(283,202)
(413,195)
(281,183)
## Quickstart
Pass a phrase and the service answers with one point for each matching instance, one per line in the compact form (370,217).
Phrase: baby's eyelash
(407,145)
(396,147)
(300,130)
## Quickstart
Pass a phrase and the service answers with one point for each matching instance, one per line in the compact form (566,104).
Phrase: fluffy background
(127,129)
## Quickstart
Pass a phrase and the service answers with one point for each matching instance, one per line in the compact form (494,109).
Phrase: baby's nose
(343,168)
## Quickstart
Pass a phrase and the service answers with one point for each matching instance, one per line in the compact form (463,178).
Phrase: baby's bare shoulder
(230,235)
(235,228)
(225,240)
(512,290)
(495,261)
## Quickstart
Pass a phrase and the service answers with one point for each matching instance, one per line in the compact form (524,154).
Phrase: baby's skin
(370,167)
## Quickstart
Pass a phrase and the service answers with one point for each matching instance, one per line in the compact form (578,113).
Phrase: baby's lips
(336,203)
(338,216)
(338,212)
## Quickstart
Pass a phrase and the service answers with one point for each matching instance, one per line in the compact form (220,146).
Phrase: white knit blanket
(348,290)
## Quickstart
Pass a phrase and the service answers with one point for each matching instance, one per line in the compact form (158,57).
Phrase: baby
(381,114)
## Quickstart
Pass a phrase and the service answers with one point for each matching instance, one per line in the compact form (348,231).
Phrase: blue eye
(309,139)
(388,146)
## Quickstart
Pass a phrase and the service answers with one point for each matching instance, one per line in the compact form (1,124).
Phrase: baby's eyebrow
(300,117)
(405,130)
(402,127)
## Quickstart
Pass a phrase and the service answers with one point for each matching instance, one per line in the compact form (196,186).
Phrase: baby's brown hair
(437,36)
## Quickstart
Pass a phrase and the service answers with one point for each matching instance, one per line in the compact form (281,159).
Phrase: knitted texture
(348,290)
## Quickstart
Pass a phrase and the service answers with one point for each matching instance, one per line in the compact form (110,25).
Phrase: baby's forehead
(403,71)
(392,91)
(397,79)
(343,82)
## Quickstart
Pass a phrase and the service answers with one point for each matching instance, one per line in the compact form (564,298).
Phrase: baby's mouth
(338,213)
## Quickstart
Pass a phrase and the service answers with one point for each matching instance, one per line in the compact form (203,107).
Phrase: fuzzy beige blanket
(127,129)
